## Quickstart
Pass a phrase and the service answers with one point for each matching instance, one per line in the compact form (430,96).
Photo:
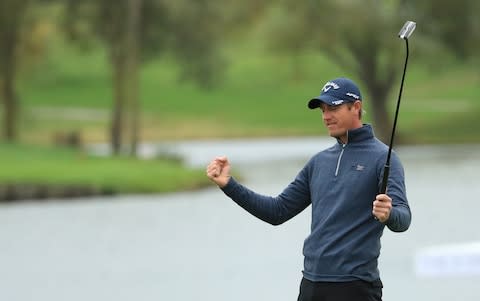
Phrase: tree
(189,30)
(453,23)
(133,32)
(12,13)
(361,37)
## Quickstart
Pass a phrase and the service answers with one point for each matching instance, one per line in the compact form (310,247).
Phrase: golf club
(404,34)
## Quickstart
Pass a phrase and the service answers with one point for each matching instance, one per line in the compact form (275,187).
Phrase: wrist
(222,184)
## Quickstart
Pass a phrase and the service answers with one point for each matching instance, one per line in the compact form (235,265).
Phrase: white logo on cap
(353,95)
(330,85)
(337,102)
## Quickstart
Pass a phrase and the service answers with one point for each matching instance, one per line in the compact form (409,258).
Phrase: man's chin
(334,134)
(337,135)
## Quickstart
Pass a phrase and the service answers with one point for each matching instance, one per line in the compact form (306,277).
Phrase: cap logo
(330,85)
(337,102)
(353,95)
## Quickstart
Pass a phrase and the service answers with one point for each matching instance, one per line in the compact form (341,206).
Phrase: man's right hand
(218,171)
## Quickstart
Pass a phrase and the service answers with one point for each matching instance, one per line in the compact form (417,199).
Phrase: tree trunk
(11,15)
(11,105)
(381,118)
(119,96)
(133,41)
(7,89)
(378,85)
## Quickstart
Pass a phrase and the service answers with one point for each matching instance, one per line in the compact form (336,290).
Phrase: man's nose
(326,115)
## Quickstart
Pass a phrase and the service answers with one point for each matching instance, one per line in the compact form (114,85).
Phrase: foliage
(12,14)
(188,30)
(259,98)
(360,37)
(455,24)
(357,38)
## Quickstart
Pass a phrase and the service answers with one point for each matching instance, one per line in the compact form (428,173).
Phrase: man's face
(339,119)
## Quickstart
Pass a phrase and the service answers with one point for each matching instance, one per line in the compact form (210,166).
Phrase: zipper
(340,159)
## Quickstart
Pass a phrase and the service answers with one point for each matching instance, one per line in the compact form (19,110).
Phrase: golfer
(348,214)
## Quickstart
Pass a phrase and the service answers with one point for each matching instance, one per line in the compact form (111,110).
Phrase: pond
(201,246)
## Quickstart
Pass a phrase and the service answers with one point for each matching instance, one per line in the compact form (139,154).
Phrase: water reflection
(201,246)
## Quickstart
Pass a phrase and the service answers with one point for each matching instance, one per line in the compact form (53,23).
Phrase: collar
(360,134)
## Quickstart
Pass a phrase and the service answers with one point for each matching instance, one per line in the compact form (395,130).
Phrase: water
(202,246)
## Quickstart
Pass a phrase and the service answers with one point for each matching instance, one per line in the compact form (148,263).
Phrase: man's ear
(357,106)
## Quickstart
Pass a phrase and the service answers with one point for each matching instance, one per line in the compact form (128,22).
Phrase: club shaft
(386,169)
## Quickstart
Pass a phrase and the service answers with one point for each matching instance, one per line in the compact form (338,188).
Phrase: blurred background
(110,110)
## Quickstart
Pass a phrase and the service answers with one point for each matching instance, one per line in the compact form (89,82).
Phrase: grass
(62,167)
(261,95)
(443,108)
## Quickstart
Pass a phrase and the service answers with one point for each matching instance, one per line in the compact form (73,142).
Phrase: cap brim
(317,101)
(314,103)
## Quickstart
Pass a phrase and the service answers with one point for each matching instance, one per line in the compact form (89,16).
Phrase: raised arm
(273,210)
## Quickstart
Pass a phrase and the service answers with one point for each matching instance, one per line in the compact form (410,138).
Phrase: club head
(407,30)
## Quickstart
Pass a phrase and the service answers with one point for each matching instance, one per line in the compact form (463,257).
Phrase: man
(348,214)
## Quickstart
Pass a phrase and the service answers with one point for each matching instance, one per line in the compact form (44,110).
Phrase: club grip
(386,172)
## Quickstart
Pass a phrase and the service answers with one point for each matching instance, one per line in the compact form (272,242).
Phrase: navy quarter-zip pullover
(341,183)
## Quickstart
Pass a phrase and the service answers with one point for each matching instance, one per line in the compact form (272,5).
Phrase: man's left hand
(382,206)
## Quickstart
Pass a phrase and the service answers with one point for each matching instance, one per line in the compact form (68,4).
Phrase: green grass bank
(44,172)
